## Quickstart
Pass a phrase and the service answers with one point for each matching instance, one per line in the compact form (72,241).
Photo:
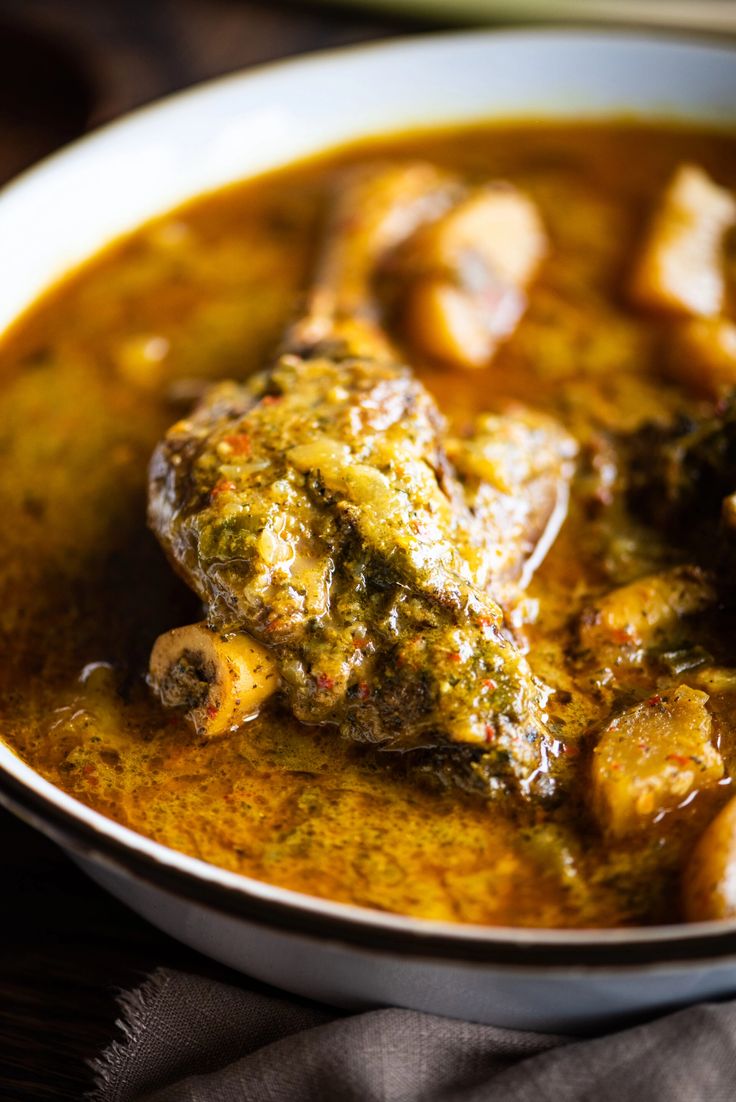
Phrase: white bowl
(59,214)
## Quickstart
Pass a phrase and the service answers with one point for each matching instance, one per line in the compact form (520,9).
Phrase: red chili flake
(271,399)
(621,636)
(325,682)
(222,487)
(455,657)
(360,641)
(490,732)
(211,711)
(571,750)
(489,684)
(364,690)
(615,766)
(678,759)
(240,443)
(654,700)
(88,770)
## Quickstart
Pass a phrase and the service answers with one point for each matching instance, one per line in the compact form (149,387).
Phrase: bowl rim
(95,837)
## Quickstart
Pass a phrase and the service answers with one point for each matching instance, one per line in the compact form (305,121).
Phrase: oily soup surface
(93,376)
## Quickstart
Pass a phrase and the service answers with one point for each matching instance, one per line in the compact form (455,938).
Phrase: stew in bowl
(369,524)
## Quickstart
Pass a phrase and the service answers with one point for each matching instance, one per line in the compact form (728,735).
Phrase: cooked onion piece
(222,680)
(680,268)
(468,271)
(709,881)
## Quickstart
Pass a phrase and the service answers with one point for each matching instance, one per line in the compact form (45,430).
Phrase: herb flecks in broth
(95,374)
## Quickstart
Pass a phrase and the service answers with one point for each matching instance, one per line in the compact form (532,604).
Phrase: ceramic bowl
(62,212)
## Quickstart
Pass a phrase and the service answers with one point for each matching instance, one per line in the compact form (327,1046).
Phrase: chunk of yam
(680,267)
(374,208)
(703,355)
(709,879)
(496,225)
(468,271)
(222,680)
(458,326)
(651,758)
(645,611)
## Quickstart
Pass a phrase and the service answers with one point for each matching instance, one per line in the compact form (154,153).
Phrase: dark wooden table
(65,946)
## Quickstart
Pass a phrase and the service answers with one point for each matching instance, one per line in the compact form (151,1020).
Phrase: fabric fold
(185,1038)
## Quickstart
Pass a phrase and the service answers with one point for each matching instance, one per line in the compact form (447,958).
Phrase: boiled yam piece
(651,758)
(680,268)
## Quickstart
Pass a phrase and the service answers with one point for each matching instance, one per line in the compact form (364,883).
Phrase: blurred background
(66,65)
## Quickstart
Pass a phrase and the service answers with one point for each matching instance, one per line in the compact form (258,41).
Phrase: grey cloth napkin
(189,1039)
